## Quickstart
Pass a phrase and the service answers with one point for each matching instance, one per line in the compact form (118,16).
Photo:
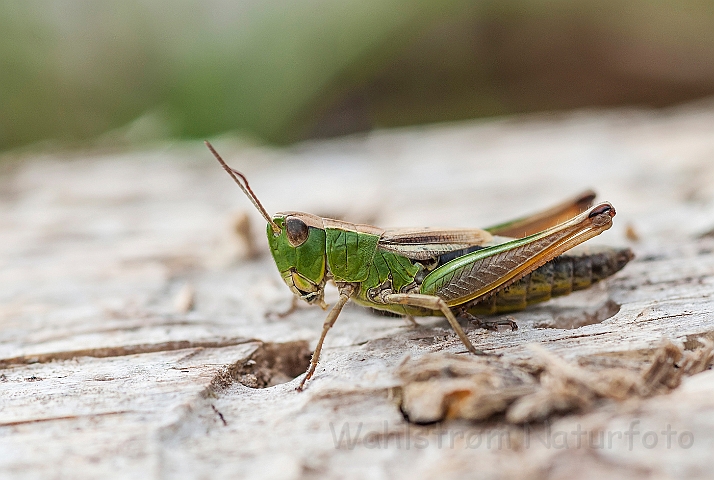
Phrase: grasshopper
(455,273)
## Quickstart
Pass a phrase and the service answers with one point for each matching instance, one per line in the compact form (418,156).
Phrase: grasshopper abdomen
(572,271)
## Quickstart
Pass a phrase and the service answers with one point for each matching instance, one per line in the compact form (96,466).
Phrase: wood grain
(108,369)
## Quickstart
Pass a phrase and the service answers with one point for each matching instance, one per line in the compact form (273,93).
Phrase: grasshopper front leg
(346,292)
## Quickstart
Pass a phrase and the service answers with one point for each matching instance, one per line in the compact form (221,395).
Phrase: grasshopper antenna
(245,186)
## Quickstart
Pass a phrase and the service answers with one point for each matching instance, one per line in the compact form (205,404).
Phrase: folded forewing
(425,243)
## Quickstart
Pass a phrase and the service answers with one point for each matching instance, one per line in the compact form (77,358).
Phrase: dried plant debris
(442,386)
(185,299)
(243,234)
(445,386)
(631,233)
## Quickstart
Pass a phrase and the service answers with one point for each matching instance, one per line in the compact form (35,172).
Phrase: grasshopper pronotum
(454,273)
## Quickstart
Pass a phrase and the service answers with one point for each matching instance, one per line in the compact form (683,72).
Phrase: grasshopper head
(297,242)
(299,253)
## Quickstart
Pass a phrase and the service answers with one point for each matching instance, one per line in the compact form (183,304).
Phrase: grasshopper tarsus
(490,324)
(480,353)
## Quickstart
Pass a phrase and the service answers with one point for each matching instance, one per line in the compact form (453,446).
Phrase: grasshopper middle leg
(489,324)
(433,303)
(410,321)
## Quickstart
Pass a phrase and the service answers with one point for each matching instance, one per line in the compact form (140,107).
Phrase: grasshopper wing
(524,226)
(481,273)
(426,243)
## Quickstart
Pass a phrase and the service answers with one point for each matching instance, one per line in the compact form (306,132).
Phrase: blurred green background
(74,72)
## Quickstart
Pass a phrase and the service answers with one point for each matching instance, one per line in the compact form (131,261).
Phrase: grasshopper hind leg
(433,303)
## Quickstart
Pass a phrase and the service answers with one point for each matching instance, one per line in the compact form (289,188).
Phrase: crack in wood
(65,417)
(121,351)
(220,415)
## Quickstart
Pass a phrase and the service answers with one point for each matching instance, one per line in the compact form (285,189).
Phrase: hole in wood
(274,363)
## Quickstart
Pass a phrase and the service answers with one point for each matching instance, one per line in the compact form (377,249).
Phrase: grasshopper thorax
(299,253)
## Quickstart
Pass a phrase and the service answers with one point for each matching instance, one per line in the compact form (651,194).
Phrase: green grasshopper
(455,273)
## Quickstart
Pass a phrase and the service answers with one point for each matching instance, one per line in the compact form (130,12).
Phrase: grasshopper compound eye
(297,231)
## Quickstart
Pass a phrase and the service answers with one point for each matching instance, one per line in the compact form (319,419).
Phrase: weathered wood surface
(130,311)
